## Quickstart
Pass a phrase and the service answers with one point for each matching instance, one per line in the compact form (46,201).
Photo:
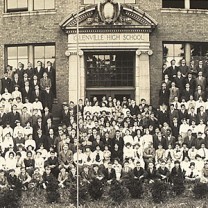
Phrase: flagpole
(77,44)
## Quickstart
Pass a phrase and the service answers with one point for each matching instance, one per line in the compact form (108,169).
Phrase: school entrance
(113,52)
(110,73)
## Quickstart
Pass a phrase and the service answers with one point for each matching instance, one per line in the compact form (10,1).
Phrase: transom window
(110,69)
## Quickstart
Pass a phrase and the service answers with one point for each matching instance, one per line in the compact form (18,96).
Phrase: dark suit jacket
(134,110)
(65,158)
(26,94)
(109,175)
(189,141)
(11,118)
(164,97)
(39,74)
(6,83)
(24,118)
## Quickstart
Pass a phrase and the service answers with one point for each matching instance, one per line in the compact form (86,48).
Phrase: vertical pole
(77,18)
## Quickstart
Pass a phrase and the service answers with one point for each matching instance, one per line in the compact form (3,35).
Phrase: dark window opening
(110,69)
(173,4)
(198,4)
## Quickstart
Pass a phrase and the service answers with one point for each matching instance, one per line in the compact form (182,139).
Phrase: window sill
(185,11)
(29,13)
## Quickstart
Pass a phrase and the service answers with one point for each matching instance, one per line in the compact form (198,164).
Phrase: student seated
(138,172)
(192,175)
(162,172)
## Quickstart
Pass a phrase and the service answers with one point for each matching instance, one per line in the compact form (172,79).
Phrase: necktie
(97,157)
(191,175)
(204,153)
(88,159)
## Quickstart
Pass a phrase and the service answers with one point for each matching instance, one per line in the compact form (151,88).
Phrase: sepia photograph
(103,103)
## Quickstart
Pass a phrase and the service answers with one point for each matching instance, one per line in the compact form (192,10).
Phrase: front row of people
(114,171)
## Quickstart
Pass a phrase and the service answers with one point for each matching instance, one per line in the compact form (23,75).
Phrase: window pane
(22,52)
(42,60)
(173,3)
(130,1)
(24,62)
(178,50)
(49,52)
(39,52)
(12,52)
(13,63)
(198,4)
(49,4)
(39,4)
(168,50)
(22,3)
(11,4)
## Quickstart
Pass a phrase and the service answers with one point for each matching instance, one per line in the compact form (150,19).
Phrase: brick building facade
(32,27)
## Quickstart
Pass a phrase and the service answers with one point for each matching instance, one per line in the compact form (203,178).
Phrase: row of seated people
(113,171)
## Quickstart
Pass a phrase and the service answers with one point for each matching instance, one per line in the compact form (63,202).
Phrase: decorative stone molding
(69,53)
(81,53)
(139,52)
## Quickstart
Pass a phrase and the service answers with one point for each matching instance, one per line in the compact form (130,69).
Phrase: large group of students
(107,139)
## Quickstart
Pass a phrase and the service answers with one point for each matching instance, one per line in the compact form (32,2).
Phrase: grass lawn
(31,200)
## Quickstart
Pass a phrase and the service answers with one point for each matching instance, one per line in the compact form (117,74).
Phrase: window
(44,4)
(199,51)
(173,3)
(120,1)
(198,4)
(17,54)
(173,51)
(110,69)
(17,5)
(44,54)
(23,5)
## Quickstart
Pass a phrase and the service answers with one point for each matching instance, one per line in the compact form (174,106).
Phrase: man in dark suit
(26,92)
(38,71)
(50,70)
(134,109)
(164,94)
(179,81)
(25,117)
(6,82)
(47,98)
(3,116)
(139,172)
(170,140)
(109,173)
(40,139)
(80,108)
(189,139)
(187,92)
(192,116)
(191,81)
(172,70)
(173,113)
(13,116)
(183,114)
